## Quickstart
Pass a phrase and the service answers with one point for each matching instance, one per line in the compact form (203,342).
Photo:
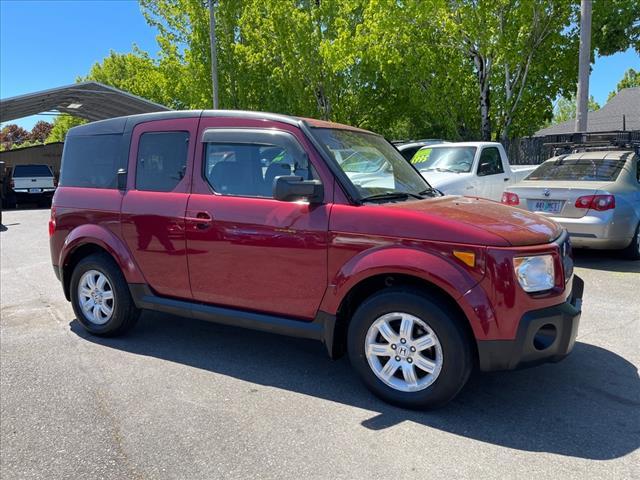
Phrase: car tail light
(12,184)
(510,198)
(55,182)
(52,222)
(596,202)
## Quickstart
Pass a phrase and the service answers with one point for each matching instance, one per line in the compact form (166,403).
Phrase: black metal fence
(528,151)
(535,150)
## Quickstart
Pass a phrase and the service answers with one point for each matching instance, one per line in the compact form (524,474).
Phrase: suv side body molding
(321,328)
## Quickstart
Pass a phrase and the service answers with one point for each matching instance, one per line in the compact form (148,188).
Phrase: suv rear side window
(32,171)
(162,160)
(91,161)
(250,169)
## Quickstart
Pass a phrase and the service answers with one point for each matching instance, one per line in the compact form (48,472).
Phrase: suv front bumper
(545,335)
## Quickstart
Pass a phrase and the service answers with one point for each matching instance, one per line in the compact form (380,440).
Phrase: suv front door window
(250,169)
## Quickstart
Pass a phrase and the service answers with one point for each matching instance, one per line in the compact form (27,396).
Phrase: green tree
(615,26)
(458,69)
(631,78)
(401,79)
(60,127)
(565,109)
(136,73)
(522,56)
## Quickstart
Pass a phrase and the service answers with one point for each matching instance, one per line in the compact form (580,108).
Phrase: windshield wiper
(388,196)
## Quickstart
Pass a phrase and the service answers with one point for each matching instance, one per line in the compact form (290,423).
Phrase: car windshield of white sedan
(444,159)
(597,170)
(373,166)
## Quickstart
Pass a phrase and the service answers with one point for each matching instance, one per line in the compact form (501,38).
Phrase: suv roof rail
(585,142)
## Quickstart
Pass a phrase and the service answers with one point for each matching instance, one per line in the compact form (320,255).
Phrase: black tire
(457,359)
(632,252)
(11,202)
(125,314)
(44,202)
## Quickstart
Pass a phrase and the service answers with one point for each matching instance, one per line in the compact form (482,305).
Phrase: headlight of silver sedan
(535,274)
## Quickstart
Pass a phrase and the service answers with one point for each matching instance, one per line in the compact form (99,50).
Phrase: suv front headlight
(535,274)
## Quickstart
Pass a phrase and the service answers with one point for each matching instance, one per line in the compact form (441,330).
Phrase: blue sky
(45,44)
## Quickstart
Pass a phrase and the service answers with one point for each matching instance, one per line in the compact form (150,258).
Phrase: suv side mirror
(121,177)
(289,188)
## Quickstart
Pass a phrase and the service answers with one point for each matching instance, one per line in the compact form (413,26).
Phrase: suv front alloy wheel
(409,348)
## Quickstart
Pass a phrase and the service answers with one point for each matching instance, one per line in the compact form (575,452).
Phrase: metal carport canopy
(88,100)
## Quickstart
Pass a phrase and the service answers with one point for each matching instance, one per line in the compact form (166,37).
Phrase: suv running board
(321,328)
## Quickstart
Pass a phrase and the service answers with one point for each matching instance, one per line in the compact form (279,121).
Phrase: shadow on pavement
(608,260)
(586,406)
(27,206)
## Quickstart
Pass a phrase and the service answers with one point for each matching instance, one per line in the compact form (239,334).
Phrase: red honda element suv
(309,229)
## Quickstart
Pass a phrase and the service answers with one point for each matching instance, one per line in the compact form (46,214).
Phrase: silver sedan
(594,195)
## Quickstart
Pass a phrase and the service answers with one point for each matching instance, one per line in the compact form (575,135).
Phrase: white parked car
(477,169)
(409,149)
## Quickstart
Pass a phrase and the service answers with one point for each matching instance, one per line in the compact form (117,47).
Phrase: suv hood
(469,220)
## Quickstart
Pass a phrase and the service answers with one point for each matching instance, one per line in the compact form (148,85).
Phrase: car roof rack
(589,142)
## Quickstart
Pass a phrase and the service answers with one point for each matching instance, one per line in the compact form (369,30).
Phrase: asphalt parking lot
(180,398)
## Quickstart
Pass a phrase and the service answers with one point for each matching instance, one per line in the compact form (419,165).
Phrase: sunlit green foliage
(458,69)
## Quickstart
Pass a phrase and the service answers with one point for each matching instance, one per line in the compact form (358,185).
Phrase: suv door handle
(507,179)
(202,219)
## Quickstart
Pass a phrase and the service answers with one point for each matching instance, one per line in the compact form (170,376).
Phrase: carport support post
(582,98)
(214,54)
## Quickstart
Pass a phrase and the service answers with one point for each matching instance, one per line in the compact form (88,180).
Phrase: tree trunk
(483,70)
(323,103)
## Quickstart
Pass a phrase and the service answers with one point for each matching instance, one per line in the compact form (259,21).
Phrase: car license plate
(35,190)
(547,206)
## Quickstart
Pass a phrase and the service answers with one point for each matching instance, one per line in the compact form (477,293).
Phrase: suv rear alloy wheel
(96,297)
(100,296)
(409,348)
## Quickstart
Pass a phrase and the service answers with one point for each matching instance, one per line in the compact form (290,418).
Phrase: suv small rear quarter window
(162,160)
(91,161)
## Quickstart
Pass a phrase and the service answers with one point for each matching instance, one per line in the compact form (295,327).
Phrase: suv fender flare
(90,234)
(432,268)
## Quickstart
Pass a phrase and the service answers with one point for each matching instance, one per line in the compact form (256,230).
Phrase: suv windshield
(599,170)
(444,159)
(372,165)
(32,171)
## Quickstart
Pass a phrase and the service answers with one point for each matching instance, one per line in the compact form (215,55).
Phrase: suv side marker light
(468,258)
